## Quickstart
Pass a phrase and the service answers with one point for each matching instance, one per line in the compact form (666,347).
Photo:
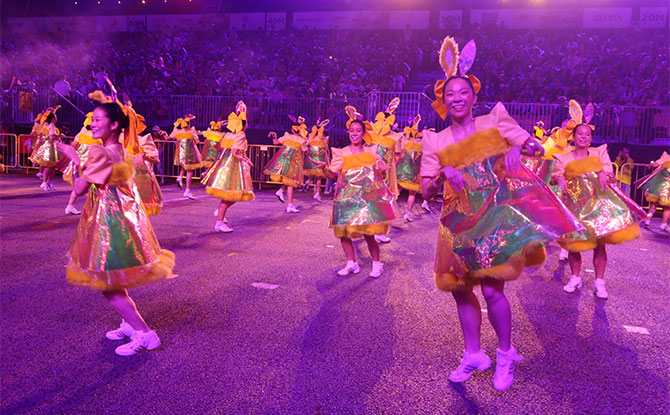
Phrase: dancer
(363,205)
(45,153)
(210,150)
(657,190)
(585,176)
(286,167)
(318,155)
(409,165)
(496,215)
(229,178)
(187,155)
(115,247)
(387,142)
(82,143)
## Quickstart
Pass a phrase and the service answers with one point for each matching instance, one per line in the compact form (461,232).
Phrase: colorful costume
(409,164)
(229,178)
(147,185)
(363,204)
(387,142)
(45,153)
(187,154)
(609,216)
(286,167)
(318,151)
(115,246)
(657,184)
(210,150)
(82,144)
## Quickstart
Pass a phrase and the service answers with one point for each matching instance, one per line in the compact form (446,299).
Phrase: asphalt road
(316,343)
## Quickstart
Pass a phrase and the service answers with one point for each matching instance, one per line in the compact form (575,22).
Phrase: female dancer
(229,178)
(45,153)
(318,154)
(286,167)
(145,180)
(496,215)
(609,216)
(82,143)
(210,150)
(409,164)
(187,155)
(657,190)
(363,205)
(115,247)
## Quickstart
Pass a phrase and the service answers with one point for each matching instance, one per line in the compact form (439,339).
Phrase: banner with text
(607,18)
(451,19)
(653,17)
(524,18)
(275,21)
(413,19)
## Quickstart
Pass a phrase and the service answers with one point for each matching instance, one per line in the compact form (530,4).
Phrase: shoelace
(509,362)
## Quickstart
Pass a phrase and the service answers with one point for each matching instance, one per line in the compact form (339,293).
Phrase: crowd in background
(606,67)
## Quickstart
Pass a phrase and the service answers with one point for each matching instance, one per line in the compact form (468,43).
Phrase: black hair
(574,132)
(50,118)
(472,87)
(357,121)
(115,114)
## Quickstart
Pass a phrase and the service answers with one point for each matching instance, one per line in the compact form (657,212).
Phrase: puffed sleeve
(430,163)
(284,138)
(665,158)
(52,130)
(173,134)
(240,141)
(605,160)
(559,166)
(149,149)
(337,161)
(508,127)
(98,166)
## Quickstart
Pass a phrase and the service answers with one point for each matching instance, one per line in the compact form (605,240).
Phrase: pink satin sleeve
(605,161)
(559,166)
(337,161)
(430,163)
(240,141)
(98,166)
(507,126)
(149,149)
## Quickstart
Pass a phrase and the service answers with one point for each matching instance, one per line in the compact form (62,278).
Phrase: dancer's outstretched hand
(513,159)
(454,177)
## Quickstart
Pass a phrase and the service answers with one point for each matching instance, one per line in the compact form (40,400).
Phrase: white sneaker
(504,374)
(351,268)
(39,175)
(51,187)
(280,195)
(124,330)
(179,182)
(665,227)
(470,361)
(292,209)
(599,288)
(572,285)
(222,227)
(139,342)
(71,210)
(563,255)
(408,217)
(382,239)
(317,197)
(189,195)
(377,269)
(425,206)
(646,223)
(44,186)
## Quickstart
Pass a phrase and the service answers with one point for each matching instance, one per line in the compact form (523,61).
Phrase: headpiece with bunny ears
(136,126)
(412,130)
(237,120)
(384,120)
(43,116)
(455,65)
(317,130)
(355,115)
(577,117)
(298,126)
(183,122)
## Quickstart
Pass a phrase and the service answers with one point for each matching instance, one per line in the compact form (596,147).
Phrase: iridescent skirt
(316,153)
(363,204)
(229,179)
(210,152)
(657,187)
(69,167)
(609,216)
(46,154)
(497,225)
(149,189)
(407,170)
(387,154)
(286,167)
(187,155)
(115,246)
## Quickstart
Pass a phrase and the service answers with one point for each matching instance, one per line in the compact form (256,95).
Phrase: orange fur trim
(479,146)
(410,186)
(582,166)
(231,195)
(622,235)
(578,245)
(357,231)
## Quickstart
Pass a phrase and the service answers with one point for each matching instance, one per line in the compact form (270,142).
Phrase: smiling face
(583,136)
(101,125)
(356,132)
(459,98)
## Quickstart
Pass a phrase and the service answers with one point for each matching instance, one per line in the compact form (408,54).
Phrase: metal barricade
(25,148)
(638,171)
(7,151)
